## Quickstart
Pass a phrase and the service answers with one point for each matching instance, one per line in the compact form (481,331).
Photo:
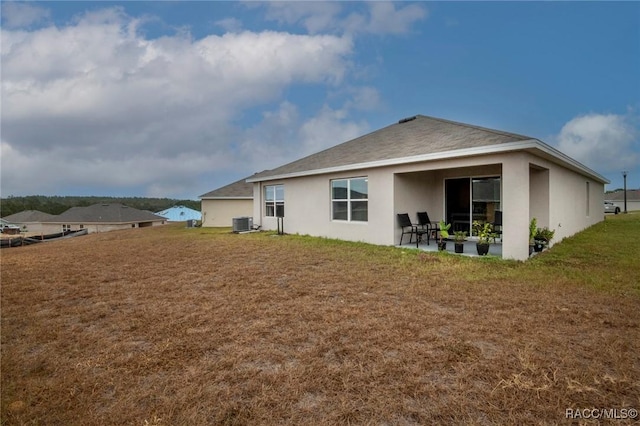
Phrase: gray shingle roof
(237,189)
(106,213)
(416,136)
(28,216)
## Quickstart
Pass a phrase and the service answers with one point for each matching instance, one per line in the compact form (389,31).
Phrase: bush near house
(171,325)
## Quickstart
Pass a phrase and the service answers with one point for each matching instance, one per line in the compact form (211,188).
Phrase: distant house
(456,172)
(221,205)
(96,218)
(617,198)
(33,220)
(180,214)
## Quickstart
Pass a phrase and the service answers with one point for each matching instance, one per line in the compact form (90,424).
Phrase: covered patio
(457,195)
(503,190)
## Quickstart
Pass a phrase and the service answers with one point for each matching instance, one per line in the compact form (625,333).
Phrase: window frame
(272,206)
(349,201)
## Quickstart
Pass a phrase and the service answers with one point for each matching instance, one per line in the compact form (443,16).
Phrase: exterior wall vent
(404,120)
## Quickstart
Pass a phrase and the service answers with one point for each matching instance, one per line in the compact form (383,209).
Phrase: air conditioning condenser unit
(242,224)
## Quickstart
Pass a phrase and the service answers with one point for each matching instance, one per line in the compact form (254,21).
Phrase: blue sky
(174,99)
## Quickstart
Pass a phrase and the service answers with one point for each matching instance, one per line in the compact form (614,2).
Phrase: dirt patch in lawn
(193,326)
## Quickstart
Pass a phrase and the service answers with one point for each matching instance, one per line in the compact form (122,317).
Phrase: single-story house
(180,214)
(96,218)
(221,205)
(455,171)
(31,220)
(617,198)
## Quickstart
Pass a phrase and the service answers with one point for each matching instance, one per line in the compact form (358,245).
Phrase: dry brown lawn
(176,326)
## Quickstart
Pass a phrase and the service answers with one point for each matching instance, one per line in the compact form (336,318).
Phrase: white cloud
(314,16)
(330,127)
(268,144)
(386,19)
(377,18)
(231,25)
(96,101)
(364,98)
(20,15)
(604,142)
(287,136)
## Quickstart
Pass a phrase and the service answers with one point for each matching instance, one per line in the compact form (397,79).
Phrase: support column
(515,207)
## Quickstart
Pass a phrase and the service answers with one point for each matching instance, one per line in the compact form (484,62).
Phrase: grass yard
(177,326)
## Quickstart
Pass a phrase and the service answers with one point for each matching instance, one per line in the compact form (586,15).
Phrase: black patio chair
(407,227)
(427,226)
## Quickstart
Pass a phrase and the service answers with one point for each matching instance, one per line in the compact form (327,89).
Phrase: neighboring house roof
(632,195)
(180,213)
(237,190)
(105,213)
(415,139)
(28,216)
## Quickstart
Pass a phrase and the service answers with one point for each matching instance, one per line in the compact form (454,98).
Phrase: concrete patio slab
(495,249)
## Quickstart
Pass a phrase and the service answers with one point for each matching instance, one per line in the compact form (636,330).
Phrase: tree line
(59,204)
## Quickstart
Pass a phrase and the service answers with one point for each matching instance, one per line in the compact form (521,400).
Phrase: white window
(274,200)
(350,199)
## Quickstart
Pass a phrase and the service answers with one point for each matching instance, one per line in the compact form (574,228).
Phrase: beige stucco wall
(515,206)
(568,202)
(568,211)
(530,186)
(220,213)
(49,228)
(308,208)
(106,228)
(539,194)
(34,226)
(417,192)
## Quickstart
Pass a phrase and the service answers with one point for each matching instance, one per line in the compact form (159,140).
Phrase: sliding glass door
(471,199)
